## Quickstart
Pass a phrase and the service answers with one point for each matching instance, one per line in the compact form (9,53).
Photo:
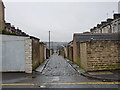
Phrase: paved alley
(58,73)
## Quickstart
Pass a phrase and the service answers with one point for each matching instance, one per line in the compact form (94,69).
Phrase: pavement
(54,73)
(105,75)
(13,77)
(42,66)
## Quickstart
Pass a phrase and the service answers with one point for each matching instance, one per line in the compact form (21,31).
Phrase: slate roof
(32,37)
(80,37)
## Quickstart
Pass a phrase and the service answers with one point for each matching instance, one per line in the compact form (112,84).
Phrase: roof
(80,37)
(32,37)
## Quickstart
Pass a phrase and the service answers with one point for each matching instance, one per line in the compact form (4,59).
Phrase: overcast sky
(61,18)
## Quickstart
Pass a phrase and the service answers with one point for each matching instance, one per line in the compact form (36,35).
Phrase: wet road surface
(58,73)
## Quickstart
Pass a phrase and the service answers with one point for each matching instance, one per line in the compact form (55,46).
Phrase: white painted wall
(13,53)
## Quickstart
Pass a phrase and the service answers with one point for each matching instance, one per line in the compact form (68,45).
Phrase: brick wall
(100,55)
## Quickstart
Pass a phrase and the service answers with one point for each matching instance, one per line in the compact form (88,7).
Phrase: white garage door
(13,55)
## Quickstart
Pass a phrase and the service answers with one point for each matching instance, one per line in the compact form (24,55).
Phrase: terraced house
(108,26)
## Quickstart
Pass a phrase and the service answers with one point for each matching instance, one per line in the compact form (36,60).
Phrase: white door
(13,55)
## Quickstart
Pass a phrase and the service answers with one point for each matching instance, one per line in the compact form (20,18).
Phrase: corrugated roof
(80,37)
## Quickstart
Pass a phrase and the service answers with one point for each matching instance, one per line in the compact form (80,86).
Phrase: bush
(7,32)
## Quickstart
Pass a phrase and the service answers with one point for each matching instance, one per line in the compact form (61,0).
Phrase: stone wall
(66,51)
(41,52)
(62,52)
(76,51)
(70,53)
(100,55)
(28,56)
(35,53)
(45,55)
(83,56)
(32,55)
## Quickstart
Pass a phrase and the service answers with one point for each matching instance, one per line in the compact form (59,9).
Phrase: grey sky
(62,18)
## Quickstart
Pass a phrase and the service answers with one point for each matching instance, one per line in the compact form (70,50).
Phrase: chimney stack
(109,20)
(98,25)
(103,23)
(116,16)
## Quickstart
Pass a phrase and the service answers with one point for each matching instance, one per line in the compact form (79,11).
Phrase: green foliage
(7,32)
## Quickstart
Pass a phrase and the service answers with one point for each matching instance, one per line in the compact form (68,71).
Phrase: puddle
(56,78)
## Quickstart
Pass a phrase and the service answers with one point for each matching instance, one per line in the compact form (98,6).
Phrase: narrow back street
(55,44)
(58,73)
